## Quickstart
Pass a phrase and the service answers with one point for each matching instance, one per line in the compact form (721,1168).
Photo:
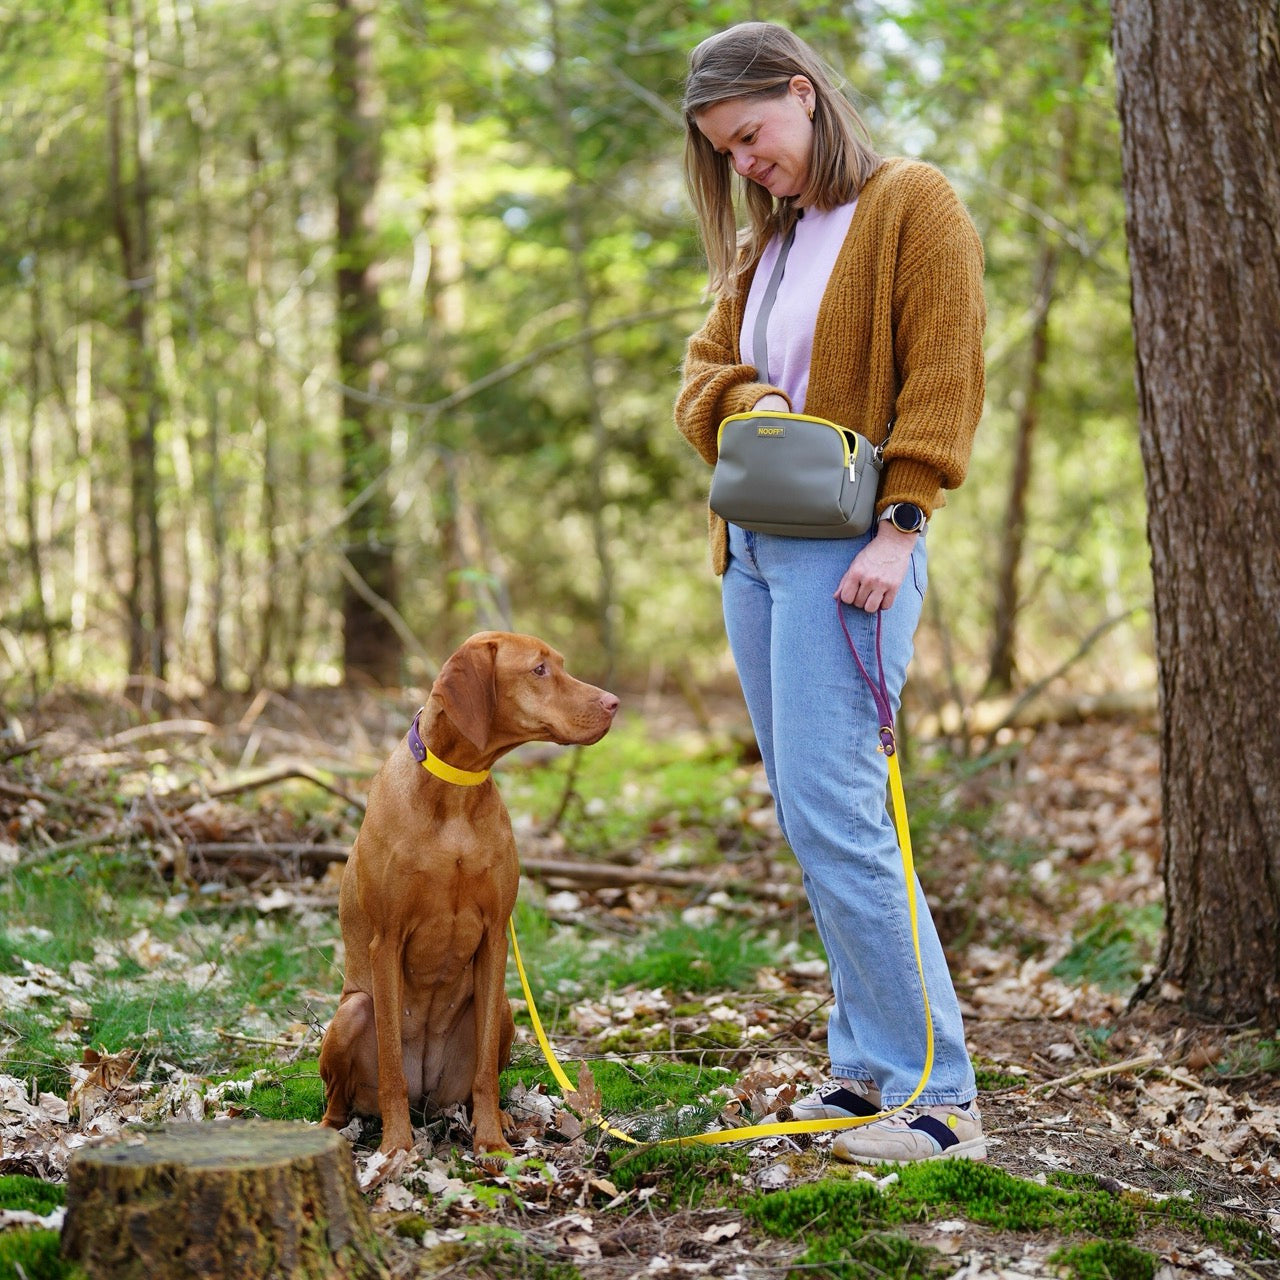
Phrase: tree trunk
(147,640)
(41,594)
(1199,96)
(82,543)
(266,406)
(576,234)
(249,1199)
(1003,664)
(371,648)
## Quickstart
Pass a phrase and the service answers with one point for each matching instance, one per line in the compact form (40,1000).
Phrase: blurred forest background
(333,332)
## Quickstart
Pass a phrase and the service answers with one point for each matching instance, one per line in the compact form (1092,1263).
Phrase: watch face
(907,517)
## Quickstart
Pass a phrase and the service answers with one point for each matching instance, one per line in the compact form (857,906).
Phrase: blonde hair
(759,60)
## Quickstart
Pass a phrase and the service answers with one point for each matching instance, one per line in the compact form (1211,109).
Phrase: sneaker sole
(974,1149)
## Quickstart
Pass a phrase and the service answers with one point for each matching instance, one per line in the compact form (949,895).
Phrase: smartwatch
(906,517)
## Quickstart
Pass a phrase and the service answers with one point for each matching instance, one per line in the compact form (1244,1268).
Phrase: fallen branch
(224,849)
(602,875)
(1094,1073)
(255,782)
(54,798)
(169,728)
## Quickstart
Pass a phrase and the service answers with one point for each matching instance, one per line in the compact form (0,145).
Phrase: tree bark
(1199,97)
(250,1199)
(371,648)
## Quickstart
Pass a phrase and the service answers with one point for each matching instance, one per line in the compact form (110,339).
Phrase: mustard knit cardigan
(898,337)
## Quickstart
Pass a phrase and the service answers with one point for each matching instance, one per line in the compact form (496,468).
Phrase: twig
(280,774)
(235,1035)
(1094,1073)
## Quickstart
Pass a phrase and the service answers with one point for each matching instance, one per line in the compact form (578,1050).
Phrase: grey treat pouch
(790,474)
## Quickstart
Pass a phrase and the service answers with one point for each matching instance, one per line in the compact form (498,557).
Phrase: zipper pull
(852,477)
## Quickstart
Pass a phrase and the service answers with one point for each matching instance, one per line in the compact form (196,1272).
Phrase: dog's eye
(540,669)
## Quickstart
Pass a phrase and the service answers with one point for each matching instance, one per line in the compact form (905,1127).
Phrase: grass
(36,1255)
(157,973)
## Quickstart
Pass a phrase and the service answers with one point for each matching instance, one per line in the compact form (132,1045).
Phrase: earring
(810,113)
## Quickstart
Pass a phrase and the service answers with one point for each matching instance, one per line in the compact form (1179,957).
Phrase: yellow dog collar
(440,768)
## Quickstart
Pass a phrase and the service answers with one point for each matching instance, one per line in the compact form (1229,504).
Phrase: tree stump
(231,1200)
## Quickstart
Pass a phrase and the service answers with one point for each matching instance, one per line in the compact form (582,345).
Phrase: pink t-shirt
(819,237)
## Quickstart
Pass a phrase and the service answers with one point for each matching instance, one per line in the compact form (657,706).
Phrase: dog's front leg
(386,956)
(490,1009)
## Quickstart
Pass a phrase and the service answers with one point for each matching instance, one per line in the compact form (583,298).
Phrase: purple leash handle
(880,690)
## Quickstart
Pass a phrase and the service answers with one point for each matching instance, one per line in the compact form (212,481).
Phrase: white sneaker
(921,1133)
(838,1098)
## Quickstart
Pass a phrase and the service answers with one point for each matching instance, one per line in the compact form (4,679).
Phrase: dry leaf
(586,1098)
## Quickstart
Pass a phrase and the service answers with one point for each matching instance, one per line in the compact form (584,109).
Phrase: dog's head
(500,689)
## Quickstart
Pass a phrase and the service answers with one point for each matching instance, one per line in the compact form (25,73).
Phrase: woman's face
(767,140)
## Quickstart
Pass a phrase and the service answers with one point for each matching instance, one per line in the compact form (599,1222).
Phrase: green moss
(836,1217)
(1105,1260)
(686,1175)
(843,1225)
(1237,1235)
(991,1077)
(33,1194)
(36,1255)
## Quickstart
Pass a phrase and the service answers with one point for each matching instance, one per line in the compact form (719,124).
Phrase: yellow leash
(751,1132)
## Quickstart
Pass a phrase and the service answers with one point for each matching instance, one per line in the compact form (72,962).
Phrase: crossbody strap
(759,335)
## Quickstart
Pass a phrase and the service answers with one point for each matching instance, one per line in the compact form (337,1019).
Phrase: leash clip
(888,743)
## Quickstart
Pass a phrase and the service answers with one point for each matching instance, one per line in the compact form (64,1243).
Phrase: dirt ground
(1147,1099)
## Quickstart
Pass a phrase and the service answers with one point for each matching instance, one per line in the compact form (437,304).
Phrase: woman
(878,319)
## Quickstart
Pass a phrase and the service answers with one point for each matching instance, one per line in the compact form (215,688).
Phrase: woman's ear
(802,89)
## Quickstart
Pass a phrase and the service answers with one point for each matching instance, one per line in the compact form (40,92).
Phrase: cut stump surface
(241,1199)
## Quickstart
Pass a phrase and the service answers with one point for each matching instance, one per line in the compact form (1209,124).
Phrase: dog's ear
(467,686)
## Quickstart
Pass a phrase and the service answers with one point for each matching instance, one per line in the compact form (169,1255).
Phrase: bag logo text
(771,431)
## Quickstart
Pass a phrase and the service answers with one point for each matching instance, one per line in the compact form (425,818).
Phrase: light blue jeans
(816,724)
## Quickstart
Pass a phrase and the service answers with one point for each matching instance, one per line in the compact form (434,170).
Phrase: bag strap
(759,335)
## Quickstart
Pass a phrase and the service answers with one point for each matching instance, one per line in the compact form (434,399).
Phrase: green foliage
(1115,947)
(633,789)
(36,1255)
(17,1191)
(1251,1054)
(633,1088)
(1105,1260)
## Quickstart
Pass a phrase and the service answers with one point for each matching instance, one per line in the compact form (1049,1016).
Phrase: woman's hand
(772,403)
(872,581)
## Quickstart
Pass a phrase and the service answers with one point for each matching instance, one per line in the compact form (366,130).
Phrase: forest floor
(1041,861)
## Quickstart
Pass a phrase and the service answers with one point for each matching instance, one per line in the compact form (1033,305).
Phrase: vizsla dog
(430,886)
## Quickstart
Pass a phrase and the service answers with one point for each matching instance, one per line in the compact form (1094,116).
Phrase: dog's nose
(609,702)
